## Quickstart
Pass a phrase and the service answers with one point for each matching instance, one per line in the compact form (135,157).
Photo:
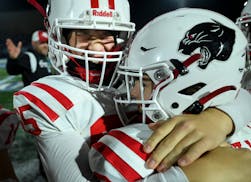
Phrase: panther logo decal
(214,40)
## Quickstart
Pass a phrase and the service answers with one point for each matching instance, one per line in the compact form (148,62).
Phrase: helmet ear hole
(192,89)
(161,74)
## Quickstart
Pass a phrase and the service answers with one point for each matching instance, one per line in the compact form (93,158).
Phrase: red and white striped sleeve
(60,114)
(53,104)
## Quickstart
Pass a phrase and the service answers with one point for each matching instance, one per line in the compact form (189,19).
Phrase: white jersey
(239,110)
(65,118)
(119,156)
(8,127)
(242,139)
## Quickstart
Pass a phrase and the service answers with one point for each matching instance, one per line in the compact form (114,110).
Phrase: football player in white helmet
(66,112)
(8,126)
(69,111)
(244,23)
(180,63)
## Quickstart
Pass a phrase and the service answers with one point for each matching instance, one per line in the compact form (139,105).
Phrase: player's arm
(185,138)
(60,120)
(221,164)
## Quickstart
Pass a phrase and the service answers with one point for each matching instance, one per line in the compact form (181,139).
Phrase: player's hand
(12,49)
(185,138)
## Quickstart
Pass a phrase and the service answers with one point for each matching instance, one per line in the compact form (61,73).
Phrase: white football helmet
(244,22)
(111,15)
(195,58)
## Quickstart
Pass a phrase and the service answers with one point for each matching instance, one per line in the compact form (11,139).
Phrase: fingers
(180,150)
(157,136)
(9,42)
(10,45)
(12,49)
(168,144)
(182,139)
(19,45)
(195,151)
(154,126)
(225,144)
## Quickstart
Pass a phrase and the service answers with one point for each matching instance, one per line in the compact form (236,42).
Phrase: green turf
(6,99)
(3,74)
(6,96)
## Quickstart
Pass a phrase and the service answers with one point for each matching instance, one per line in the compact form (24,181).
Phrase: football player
(174,67)
(244,23)
(67,112)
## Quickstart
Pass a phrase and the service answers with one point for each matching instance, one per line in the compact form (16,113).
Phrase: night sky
(19,18)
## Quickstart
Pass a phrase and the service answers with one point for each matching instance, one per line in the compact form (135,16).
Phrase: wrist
(224,121)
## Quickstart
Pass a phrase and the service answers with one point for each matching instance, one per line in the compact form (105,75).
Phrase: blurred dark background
(19,19)
(143,11)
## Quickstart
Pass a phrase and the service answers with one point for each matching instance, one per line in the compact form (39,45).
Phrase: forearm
(173,174)
(224,121)
(221,164)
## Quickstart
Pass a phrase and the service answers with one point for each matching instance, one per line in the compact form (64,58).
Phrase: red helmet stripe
(111,4)
(94,4)
(38,7)
(215,93)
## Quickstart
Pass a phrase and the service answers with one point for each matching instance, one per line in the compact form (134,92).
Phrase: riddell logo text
(102,13)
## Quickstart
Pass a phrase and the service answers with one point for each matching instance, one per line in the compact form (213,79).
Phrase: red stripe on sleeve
(61,98)
(102,177)
(94,4)
(39,103)
(134,145)
(111,4)
(103,125)
(124,169)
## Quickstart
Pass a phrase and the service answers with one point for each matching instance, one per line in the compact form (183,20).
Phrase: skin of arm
(185,138)
(237,164)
